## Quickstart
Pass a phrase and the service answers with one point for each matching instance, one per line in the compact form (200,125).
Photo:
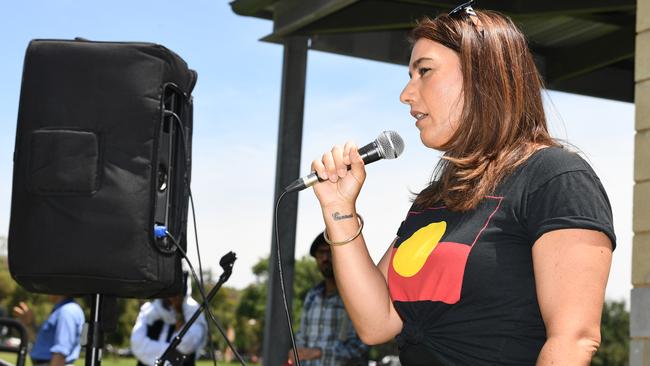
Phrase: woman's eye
(423,70)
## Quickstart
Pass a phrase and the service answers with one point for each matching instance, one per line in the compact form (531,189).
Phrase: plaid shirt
(324,324)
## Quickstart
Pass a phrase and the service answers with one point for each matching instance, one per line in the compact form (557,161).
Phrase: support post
(294,69)
(640,295)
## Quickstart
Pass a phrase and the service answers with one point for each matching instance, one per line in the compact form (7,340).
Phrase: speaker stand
(95,332)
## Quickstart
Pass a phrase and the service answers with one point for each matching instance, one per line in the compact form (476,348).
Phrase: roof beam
(617,19)
(569,62)
(570,7)
(610,82)
(340,16)
(387,46)
(536,8)
(355,18)
(252,7)
(291,15)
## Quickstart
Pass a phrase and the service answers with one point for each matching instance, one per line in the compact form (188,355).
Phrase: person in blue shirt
(58,339)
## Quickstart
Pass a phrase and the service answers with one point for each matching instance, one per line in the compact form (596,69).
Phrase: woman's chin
(432,142)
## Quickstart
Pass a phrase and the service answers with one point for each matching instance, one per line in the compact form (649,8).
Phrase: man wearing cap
(326,336)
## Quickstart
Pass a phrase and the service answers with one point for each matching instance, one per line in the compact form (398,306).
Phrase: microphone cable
(278,253)
(186,154)
(181,128)
(205,300)
(282,287)
(198,254)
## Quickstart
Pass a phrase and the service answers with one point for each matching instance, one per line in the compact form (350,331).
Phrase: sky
(236,102)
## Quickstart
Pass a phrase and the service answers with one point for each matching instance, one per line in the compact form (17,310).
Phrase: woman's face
(434,92)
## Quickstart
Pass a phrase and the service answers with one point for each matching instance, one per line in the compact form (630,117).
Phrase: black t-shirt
(463,282)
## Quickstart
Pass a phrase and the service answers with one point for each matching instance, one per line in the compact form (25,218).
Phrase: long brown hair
(502,122)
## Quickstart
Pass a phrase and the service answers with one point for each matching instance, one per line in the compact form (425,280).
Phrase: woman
(503,259)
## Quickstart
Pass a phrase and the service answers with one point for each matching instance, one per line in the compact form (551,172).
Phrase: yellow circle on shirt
(414,251)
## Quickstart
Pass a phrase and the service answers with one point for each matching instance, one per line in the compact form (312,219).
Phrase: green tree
(11,293)
(250,318)
(252,305)
(615,330)
(222,306)
(127,310)
(7,286)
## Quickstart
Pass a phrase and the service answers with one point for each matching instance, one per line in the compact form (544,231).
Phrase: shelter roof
(580,46)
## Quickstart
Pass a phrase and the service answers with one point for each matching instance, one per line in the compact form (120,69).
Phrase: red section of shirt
(440,279)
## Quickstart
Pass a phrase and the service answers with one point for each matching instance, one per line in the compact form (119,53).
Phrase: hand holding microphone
(344,168)
(341,174)
(388,145)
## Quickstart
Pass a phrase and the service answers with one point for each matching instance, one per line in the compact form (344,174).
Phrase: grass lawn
(109,361)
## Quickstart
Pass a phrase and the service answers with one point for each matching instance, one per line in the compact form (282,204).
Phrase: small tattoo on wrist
(337,216)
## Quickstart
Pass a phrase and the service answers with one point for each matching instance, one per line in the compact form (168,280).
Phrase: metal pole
(294,69)
(95,334)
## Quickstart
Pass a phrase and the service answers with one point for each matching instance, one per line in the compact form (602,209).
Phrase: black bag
(99,160)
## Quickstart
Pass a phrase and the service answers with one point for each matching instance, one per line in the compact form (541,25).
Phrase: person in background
(326,336)
(160,320)
(57,340)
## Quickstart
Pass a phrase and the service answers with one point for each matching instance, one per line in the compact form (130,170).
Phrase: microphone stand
(171,355)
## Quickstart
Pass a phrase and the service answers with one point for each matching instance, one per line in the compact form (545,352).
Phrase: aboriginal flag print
(429,257)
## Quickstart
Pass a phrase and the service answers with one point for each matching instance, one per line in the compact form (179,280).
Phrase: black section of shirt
(495,319)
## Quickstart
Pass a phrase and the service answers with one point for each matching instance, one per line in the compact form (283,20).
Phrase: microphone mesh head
(390,144)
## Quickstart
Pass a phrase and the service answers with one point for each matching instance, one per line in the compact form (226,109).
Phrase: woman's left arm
(571,269)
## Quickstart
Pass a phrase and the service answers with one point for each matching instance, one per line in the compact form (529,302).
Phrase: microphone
(388,145)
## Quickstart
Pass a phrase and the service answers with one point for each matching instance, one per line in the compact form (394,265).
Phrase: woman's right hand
(341,186)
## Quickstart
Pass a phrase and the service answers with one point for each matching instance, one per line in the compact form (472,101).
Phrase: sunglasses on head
(466,10)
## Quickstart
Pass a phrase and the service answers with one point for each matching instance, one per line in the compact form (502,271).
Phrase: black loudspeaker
(102,156)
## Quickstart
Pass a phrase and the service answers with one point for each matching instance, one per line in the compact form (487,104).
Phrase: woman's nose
(406,96)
